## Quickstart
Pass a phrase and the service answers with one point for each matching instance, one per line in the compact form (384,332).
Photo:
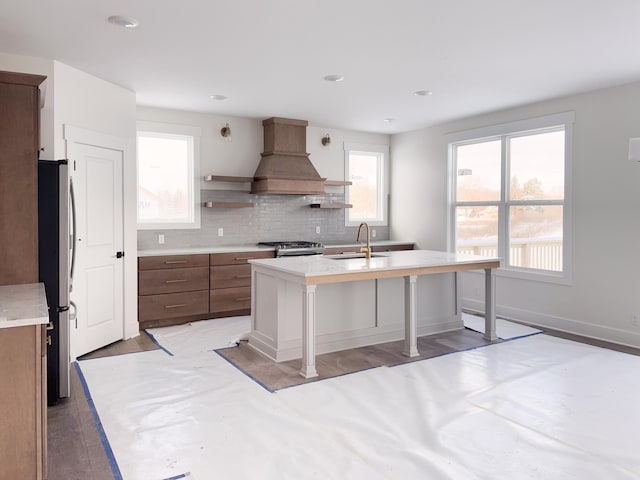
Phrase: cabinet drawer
(226,299)
(392,248)
(173,280)
(173,261)
(225,276)
(169,305)
(237,258)
(339,250)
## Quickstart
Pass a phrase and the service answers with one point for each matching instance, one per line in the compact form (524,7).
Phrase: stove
(291,249)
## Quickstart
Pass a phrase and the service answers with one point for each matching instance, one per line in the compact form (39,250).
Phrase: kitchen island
(287,292)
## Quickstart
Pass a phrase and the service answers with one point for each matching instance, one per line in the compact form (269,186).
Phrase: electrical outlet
(161,238)
(221,232)
(374,233)
(318,229)
(635,319)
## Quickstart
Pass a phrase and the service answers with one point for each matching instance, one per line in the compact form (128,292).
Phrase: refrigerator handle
(72,195)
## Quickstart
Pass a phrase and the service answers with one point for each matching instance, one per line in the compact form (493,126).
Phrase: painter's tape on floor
(533,408)
(504,329)
(201,336)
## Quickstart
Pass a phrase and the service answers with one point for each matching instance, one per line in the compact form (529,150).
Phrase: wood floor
(76,451)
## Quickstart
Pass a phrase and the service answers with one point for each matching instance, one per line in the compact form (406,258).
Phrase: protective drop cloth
(533,408)
(202,336)
(505,330)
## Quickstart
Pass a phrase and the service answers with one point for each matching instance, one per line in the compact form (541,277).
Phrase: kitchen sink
(349,256)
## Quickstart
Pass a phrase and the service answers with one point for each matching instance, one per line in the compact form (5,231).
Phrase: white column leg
(490,304)
(253,298)
(410,317)
(309,332)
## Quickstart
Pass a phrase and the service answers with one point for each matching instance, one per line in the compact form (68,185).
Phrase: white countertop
(406,262)
(243,248)
(23,305)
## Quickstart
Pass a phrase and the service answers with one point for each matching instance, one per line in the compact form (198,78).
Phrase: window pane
(536,236)
(363,193)
(479,171)
(477,230)
(164,165)
(537,166)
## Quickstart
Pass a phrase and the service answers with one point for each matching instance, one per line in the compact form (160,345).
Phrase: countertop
(23,305)
(245,248)
(321,269)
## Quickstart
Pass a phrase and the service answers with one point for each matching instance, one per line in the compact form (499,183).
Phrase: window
(509,192)
(367,169)
(168,172)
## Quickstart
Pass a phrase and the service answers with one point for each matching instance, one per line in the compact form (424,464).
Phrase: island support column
(490,304)
(410,317)
(309,332)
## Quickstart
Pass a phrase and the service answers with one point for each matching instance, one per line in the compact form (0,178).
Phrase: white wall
(37,66)
(87,102)
(241,155)
(606,215)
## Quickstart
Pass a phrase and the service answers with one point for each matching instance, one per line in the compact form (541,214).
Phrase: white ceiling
(269,57)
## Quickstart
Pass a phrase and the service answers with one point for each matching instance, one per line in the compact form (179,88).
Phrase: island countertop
(318,269)
(23,305)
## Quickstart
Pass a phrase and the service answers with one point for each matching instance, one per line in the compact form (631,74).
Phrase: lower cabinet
(230,282)
(23,401)
(174,289)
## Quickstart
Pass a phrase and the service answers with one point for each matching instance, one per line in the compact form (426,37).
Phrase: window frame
(382,182)
(167,130)
(504,132)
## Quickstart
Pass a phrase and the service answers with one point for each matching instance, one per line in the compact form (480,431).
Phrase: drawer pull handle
(175,281)
(172,262)
(242,276)
(176,306)
(243,258)
(242,298)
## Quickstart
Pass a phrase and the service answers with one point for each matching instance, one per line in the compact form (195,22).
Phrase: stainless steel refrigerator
(56,235)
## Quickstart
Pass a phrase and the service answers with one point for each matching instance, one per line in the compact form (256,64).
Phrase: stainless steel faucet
(366,250)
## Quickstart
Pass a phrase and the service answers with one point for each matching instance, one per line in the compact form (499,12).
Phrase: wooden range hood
(285,168)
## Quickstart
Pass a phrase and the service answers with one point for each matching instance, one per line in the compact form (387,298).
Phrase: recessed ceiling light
(389,120)
(126,22)
(334,78)
(423,93)
(217,97)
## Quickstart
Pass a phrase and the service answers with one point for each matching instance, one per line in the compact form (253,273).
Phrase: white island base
(307,305)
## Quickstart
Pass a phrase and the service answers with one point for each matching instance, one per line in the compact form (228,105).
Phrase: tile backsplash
(273,218)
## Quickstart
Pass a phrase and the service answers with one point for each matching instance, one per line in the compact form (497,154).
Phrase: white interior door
(98,281)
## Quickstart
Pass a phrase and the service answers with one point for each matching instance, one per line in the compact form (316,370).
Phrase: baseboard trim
(568,325)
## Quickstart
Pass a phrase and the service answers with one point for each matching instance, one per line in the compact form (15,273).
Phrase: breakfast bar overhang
(308,272)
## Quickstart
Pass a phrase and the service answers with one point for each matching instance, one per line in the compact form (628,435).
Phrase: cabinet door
(23,439)
(225,276)
(230,299)
(170,305)
(238,258)
(173,261)
(19,142)
(173,280)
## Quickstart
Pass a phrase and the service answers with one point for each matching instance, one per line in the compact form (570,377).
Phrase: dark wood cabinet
(172,289)
(175,289)
(230,282)
(19,145)
(23,399)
